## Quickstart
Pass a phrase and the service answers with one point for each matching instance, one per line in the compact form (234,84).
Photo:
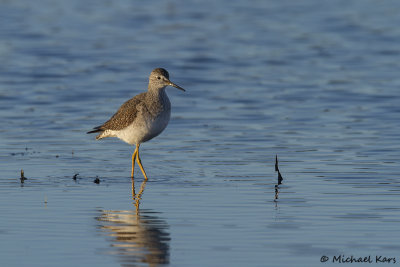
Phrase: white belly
(144,128)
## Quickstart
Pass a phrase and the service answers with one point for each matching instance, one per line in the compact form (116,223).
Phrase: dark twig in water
(97,180)
(280,178)
(75,176)
(23,178)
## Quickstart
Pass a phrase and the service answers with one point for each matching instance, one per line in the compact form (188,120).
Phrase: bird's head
(159,78)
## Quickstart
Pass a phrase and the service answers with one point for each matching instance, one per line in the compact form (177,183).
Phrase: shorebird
(142,117)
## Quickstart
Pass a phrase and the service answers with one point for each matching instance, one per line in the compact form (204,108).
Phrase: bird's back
(126,114)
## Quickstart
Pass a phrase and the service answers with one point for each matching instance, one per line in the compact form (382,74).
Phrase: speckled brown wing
(125,115)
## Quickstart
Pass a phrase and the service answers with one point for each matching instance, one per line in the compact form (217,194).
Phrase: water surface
(315,83)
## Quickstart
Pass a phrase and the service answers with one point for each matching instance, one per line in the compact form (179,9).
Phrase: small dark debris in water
(75,176)
(26,151)
(57,156)
(18,154)
(23,178)
(97,180)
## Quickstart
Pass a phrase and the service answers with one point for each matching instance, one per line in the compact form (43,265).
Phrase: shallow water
(315,83)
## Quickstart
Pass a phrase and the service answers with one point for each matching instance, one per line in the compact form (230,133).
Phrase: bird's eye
(158,77)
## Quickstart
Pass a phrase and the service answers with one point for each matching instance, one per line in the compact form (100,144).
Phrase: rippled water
(313,82)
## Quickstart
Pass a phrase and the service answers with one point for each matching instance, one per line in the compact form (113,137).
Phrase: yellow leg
(140,162)
(133,160)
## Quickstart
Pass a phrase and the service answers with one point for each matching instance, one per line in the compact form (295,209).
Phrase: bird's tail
(94,131)
(97,130)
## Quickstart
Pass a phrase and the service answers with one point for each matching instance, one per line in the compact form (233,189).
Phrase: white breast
(146,126)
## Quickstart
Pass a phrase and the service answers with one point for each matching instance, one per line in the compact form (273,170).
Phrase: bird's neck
(158,95)
(156,92)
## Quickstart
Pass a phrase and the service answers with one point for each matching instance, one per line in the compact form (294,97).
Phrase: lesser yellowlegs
(142,117)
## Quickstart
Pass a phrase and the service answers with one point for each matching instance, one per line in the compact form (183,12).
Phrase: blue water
(315,82)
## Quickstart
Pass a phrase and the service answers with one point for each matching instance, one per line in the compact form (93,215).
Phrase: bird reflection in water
(137,197)
(136,236)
